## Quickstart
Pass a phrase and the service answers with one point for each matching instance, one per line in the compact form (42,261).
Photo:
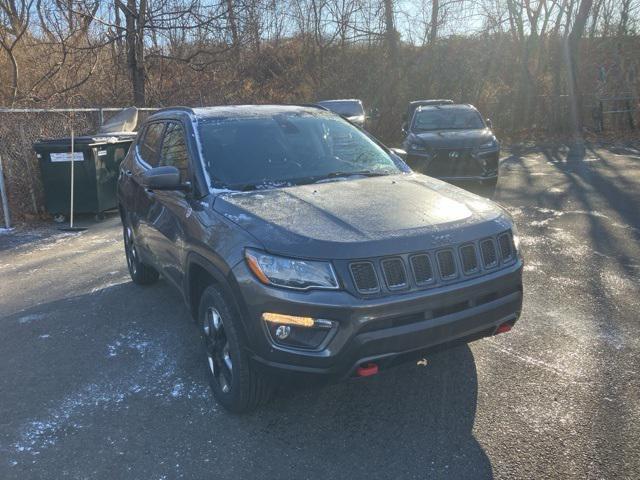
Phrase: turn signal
(288,319)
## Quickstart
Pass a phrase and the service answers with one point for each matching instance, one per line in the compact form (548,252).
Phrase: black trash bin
(97,163)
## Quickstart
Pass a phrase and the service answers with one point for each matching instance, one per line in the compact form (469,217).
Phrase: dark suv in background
(452,142)
(305,249)
(352,109)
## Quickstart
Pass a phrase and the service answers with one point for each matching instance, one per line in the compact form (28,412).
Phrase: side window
(174,150)
(150,145)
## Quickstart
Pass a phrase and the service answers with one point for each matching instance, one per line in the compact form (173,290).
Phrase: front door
(170,213)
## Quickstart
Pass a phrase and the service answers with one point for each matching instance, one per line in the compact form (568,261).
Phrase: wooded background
(524,63)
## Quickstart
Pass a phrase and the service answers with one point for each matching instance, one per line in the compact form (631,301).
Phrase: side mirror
(489,123)
(399,152)
(163,178)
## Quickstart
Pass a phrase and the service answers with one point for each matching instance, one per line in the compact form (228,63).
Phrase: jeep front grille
(431,268)
(394,273)
(421,267)
(364,277)
(504,242)
(489,254)
(446,264)
(469,259)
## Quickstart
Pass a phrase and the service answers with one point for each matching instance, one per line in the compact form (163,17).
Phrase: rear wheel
(140,273)
(235,384)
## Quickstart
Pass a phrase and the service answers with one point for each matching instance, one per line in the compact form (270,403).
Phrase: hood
(361,218)
(455,138)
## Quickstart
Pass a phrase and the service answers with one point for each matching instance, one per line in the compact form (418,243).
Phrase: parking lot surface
(100,378)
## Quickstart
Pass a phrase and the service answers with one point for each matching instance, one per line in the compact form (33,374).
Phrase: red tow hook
(367,369)
(504,328)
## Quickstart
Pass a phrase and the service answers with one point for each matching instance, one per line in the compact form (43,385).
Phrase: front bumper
(383,329)
(471,167)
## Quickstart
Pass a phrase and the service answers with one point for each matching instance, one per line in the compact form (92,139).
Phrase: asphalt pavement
(100,378)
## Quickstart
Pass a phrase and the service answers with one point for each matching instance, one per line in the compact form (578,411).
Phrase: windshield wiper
(363,173)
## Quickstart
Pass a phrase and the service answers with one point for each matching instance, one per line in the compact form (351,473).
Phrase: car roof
(233,111)
(441,101)
(340,100)
(451,106)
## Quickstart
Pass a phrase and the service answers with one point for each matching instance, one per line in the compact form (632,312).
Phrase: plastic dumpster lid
(86,140)
(123,121)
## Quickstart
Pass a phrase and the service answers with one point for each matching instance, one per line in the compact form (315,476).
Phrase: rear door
(170,211)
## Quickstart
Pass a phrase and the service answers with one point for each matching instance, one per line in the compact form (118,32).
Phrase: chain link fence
(19,129)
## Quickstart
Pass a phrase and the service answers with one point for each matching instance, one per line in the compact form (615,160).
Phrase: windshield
(446,119)
(288,148)
(344,108)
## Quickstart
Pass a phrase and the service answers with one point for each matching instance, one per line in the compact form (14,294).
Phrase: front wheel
(140,273)
(234,382)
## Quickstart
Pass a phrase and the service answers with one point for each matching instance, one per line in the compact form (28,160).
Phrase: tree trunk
(135,49)
(433,32)
(390,32)
(573,53)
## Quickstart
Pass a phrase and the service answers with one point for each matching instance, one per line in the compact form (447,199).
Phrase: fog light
(283,331)
(298,332)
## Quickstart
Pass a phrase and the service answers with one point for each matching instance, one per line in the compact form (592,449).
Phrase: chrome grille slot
(469,259)
(446,264)
(422,270)
(394,273)
(489,253)
(364,277)
(506,250)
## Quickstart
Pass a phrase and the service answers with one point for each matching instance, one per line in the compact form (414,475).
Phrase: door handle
(128,173)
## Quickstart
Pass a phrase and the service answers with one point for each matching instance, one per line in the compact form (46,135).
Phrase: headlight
(290,272)
(493,143)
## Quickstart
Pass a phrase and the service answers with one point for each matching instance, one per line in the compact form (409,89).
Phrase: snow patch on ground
(532,266)
(106,285)
(155,374)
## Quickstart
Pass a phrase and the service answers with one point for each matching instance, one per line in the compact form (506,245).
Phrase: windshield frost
(287,148)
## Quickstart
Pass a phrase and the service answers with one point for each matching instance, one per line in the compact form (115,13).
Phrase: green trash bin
(96,169)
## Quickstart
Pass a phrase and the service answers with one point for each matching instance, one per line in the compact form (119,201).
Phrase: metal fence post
(5,201)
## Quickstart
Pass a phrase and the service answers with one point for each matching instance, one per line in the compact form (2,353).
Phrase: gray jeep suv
(306,249)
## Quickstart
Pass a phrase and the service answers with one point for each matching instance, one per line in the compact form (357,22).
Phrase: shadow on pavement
(122,370)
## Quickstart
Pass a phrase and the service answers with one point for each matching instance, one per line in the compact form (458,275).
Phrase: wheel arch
(200,273)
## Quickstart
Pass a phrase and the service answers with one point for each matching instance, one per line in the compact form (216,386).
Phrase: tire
(140,273)
(235,384)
